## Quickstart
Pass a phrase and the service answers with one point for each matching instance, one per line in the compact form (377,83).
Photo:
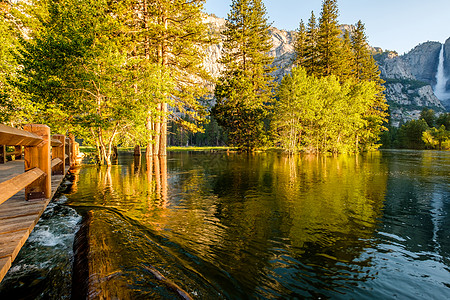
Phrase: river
(218,225)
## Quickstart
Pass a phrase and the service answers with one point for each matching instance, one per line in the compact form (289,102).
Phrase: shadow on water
(217,225)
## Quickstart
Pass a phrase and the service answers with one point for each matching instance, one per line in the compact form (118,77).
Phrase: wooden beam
(11,187)
(16,137)
(39,157)
(56,143)
(56,162)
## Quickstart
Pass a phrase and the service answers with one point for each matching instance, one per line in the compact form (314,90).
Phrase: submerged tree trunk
(163,138)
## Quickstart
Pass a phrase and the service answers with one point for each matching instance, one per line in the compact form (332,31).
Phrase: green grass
(89,149)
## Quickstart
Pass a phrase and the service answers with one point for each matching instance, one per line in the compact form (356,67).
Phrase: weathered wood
(5,264)
(18,152)
(59,152)
(11,243)
(18,224)
(11,187)
(39,157)
(20,211)
(16,137)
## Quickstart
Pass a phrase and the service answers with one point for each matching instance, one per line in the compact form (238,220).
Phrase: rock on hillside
(409,80)
(282,49)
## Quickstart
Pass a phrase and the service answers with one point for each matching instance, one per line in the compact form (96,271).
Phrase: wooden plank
(11,243)
(24,210)
(16,137)
(5,264)
(18,224)
(12,186)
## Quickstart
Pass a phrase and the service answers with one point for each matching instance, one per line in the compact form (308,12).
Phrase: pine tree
(173,36)
(310,60)
(300,45)
(245,88)
(366,69)
(329,43)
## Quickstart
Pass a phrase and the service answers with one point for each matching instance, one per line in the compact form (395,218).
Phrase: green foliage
(245,88)
(14,105)
(354,83)
(321,114)
(428,116)
(444,119)
(437,138)
(410,134)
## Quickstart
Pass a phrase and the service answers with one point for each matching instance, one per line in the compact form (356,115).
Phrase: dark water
(264,226)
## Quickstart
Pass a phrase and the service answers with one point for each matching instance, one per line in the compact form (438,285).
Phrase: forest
(130,73)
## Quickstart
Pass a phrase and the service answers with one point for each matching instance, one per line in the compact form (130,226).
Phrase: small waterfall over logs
(441,80)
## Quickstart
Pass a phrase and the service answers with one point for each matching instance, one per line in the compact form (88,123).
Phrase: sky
(398,25)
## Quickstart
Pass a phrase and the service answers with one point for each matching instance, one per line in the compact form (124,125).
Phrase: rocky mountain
(409,78)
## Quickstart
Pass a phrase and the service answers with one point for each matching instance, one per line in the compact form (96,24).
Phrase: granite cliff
(410,79)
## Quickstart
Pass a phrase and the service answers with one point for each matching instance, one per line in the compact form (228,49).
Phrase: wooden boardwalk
(18,216)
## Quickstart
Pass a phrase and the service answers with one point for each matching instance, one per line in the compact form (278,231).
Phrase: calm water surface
(236,226)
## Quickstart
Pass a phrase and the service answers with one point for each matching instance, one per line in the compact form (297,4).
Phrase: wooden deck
(17,216)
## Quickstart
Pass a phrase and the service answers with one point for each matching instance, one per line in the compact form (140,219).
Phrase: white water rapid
(441,80)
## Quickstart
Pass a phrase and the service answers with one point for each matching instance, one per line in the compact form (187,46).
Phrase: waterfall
(441,80)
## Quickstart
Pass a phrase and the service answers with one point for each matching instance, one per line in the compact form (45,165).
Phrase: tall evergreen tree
(177,37)
(245,88)
(300,45)
(329,43)
(310,60)
(366,69)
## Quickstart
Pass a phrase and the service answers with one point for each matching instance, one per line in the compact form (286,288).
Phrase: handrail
(12,186)
(16,137)
(38,142)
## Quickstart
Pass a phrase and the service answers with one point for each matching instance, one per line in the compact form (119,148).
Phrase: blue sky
(390,24)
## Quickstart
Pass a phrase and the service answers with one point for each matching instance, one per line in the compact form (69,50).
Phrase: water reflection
(233,226)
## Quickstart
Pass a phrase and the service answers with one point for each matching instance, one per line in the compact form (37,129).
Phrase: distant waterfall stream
(441,80)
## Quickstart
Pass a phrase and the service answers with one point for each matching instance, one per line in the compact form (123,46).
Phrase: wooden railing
(44,155)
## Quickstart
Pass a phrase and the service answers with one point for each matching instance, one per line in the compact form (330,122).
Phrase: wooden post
(39,157)
(73,156)
(67,151)
(2,154)
(18,152)
(59,152)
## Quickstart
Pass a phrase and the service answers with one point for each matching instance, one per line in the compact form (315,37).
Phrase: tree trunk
(163,138)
